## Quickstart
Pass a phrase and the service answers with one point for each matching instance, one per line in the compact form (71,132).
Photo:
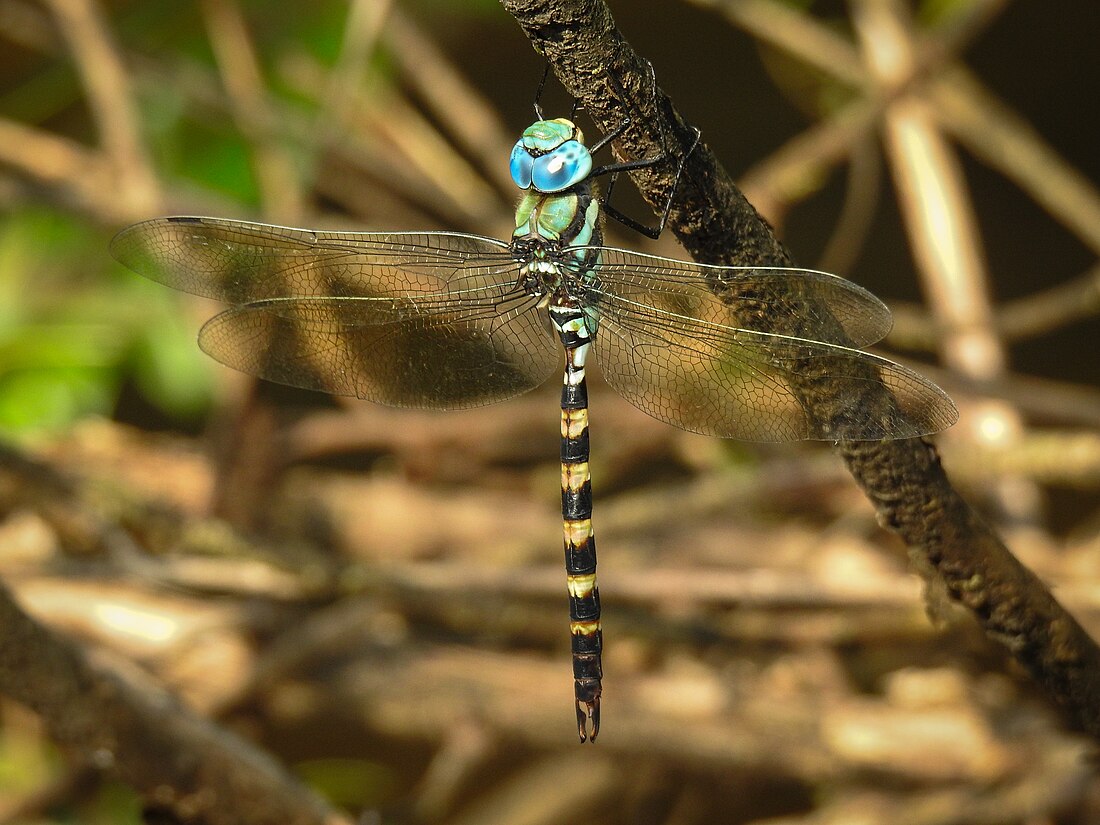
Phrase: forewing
(739,383)
(438,354)
(239,262)
(818,306)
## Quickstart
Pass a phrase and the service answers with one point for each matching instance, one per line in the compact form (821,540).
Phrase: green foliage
(112,804)
(350,783)
(936,11)
(74,326)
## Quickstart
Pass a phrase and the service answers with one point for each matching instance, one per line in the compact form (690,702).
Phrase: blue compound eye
(566,166)
(520,165)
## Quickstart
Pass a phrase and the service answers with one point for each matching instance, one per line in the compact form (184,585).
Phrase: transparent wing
(437,354)
(239,262)
(738,383)
(428,319)
(827,308)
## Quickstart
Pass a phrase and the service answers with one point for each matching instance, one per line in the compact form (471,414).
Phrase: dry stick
(109,97)
(179,762)
(239,67)
(1035,315)
(975,116)
(79,178)
(473,121)
(903,478)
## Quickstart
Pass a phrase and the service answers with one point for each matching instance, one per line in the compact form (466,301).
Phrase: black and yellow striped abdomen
(580,544)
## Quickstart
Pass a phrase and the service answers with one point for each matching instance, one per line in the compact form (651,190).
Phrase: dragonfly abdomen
(574,329)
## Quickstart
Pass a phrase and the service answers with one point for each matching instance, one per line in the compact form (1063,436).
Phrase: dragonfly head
(551,156)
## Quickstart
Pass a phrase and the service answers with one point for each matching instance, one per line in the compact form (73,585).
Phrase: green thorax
(558,217)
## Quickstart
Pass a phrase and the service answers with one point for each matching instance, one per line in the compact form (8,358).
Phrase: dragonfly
(447,320)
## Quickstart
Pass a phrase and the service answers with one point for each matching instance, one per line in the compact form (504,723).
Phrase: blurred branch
(1007,142)
(904,479)
(109,95)
(420,687)
(1052,309)
(79,177)
(943,233)
(787,176)
(793,171)
(177,761)
(365,22)
(550,789)
(1032,316)
(861,200)
(963,106)
(467,115)
(397,651)
(1042,398)
(932,194)
(354,161)
(796,33)
(238,64)
(1055,784)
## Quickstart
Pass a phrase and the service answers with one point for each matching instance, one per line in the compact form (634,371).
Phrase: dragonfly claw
(588,710)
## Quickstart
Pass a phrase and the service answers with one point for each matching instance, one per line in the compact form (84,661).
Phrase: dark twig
(903,479)
(181,764)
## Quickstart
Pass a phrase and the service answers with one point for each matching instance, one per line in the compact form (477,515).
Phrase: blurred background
(375,596)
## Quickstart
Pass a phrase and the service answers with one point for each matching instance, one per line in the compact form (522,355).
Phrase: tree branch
(182,764)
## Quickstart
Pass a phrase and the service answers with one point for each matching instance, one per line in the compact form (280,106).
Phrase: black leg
(613,169)
(538,91)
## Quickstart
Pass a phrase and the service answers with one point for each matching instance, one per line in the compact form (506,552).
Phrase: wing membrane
(238,262)
(410,319)
(442,354)
(823,306)
(739,383)
(436,320)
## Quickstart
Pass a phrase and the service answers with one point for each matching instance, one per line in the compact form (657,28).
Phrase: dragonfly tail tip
(588,710)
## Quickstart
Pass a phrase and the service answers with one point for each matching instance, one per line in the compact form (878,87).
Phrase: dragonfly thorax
(557,274)
(562,277)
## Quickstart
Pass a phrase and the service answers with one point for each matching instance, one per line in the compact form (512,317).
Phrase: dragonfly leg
(614,169)
(538,96)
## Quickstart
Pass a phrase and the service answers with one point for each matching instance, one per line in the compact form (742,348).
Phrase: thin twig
(109,96)
(466,114)
(240,71)
(1000,137)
